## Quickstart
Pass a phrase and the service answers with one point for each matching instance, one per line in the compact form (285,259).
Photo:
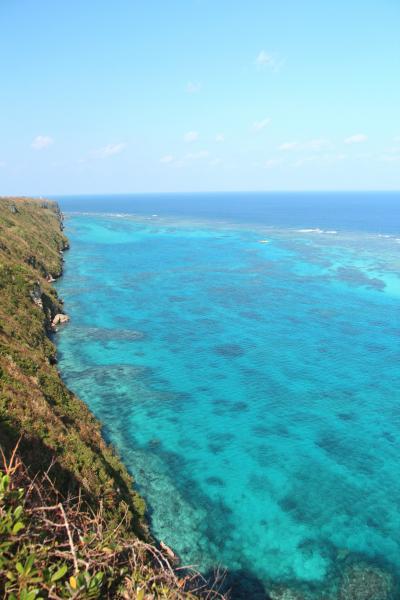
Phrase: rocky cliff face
(71,524)
(56,427)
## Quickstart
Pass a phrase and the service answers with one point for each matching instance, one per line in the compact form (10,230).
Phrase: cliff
(57,469)
(34,401)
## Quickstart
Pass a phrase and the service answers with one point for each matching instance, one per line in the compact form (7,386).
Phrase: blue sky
(193,95)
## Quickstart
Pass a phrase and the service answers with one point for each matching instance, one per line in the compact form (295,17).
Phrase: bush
(55,547)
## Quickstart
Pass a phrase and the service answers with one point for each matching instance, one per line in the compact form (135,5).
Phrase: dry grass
(65,536)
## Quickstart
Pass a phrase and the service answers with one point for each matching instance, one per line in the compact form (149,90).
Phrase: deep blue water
(242,352)
(353,211)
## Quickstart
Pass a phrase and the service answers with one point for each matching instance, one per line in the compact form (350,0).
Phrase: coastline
(52,447)
(103,262)
(40,248)
(68,416)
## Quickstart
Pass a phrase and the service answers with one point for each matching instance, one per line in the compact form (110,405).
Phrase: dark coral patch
(354,276)
(345,416)
(215,481)
(215,448)
(240,406)
(229,350)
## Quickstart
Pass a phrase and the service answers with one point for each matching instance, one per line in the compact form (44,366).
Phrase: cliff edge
(71,523)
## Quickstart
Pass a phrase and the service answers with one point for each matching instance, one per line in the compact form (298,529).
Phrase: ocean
(242,353)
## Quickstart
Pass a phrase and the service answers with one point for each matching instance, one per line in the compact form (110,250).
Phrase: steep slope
(33,399)
(96,535)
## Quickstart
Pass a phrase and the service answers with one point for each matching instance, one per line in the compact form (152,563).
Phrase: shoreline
(64,425)
(41,248)
(52,451)
(52,445)
(368,570)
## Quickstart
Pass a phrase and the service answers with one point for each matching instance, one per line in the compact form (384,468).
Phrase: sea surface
(242,352)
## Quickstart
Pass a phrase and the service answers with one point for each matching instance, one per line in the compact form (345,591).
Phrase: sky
(199,95)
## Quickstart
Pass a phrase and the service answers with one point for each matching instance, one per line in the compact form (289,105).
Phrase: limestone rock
(60,319)
(36,294)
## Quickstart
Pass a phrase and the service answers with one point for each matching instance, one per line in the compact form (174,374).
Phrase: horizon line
(203,192)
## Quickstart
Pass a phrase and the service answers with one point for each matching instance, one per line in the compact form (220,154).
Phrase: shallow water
(252,388)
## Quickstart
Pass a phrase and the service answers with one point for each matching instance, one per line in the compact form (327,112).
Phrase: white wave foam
(317,230)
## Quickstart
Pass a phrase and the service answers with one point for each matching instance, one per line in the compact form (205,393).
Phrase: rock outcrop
(36,294)
(59,319)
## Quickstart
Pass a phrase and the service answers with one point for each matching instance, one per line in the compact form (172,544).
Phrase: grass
(33,399)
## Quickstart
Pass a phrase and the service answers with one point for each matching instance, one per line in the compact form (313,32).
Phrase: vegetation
(33,399)
(71,523)
(55,547)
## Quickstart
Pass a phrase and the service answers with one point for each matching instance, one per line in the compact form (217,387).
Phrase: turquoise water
(252,388)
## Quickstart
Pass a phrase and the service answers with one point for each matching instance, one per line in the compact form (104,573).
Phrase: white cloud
(259,125)
(305,160)
(319,159)
(109,150)
(357,138)
(197,155)
(317,144)
(314,145)
(266,60)
(273,162)
(167,159)
(41,142)
(191,136)
(185,160)
(220,137)
(333,157)
(215,162)
(193,87)
(288,146)
(178,164)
